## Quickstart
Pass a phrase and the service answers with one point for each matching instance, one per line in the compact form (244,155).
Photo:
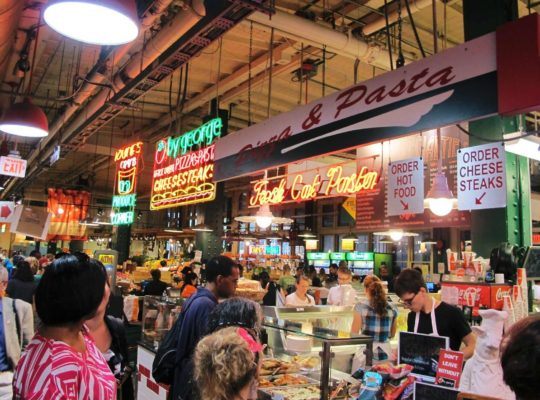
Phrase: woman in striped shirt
(62,361)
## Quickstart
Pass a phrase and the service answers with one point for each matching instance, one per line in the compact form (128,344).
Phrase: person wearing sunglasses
(433,317)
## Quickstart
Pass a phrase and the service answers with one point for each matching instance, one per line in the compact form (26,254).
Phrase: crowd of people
(80,352)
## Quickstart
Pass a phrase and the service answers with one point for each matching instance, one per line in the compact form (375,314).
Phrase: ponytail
(377,298)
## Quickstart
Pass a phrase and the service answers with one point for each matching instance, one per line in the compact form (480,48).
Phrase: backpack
(165,360)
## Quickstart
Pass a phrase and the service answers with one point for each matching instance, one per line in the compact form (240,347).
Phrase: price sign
(449,369)
(482,177)
(405,187)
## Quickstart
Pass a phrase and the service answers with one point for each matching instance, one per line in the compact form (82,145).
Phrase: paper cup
(499,278)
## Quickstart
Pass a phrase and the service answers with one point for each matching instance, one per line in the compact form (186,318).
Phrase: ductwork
(169,34)
(10,12)
(380,23)
(88,89)
(311,33)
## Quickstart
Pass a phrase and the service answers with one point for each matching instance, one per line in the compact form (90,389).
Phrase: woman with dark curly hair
(376,318)
(520,358)
(236,311)
(227,363)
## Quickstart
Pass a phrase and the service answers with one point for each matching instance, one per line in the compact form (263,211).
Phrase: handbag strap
(17,322)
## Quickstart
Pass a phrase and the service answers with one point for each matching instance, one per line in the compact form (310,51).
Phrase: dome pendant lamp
(100,22)
(25,119)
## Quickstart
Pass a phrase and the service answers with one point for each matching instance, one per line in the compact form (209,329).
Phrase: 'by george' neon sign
(127,161)
(297,188)
(184,175)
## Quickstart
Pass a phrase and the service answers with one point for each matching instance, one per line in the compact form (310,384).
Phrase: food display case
(319,260)
(310,352)
(361,263)
(158,317)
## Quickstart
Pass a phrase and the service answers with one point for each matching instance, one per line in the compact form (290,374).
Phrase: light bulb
(440,206)
(60,210)
(263,222)
(396,235)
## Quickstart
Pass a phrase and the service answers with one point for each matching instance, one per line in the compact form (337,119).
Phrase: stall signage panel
(318,256)
(450,368)
(184,167)
(331,181)
(337,256)
(482,177)
(12,166)
(128,168)
(405,190)
(357,256)
(452,86)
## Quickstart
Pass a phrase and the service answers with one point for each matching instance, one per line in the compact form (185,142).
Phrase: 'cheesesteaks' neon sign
(181,176)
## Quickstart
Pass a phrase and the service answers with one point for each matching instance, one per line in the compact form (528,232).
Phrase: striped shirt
(53,370)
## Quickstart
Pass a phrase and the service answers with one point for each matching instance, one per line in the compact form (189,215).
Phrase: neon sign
(181,174)
(125,199)
(301,187)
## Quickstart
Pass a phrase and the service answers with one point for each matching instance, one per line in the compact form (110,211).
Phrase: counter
(147,388)
(476,294)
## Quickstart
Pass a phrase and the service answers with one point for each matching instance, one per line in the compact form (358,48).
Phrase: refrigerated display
(319,260)
(361,263)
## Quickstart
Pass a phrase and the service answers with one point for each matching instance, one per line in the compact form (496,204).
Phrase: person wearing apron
(429,316)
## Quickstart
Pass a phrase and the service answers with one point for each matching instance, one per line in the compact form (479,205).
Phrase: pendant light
(25,119)
(110,23)
(440,199)
(395,234)
(201,228)
(263,218)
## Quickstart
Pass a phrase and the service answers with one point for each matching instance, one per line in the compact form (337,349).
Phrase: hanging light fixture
(307,234)
(25,119)
(171,230)
(110,23)
(440,199)
(202,228)
(263,218)
(395,234)
(523,144)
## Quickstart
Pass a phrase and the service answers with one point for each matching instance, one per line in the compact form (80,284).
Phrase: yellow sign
(350,206)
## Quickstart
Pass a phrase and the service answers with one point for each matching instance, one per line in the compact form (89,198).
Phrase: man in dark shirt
(156,287)
(448,320)
(222,278)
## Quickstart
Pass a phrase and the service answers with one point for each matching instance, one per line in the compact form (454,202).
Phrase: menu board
(421,351)
(371,205)
(425,391)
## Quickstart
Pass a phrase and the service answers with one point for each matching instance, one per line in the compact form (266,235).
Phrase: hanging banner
(456,85)
(68,208)
(184,167)
(452,86)
(128,168)
(482,177)
(327,181)
(405,187)
(31,221)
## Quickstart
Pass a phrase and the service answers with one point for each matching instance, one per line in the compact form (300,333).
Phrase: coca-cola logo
(499,295)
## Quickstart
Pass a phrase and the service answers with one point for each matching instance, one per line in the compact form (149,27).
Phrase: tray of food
(308,392)
(273,366)
(285,380)
(307,363)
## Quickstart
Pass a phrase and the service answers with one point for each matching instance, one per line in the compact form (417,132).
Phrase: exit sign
(13,166)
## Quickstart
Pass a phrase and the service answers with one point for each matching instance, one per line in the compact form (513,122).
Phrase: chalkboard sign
(425,391)
(421,351)
(532,262)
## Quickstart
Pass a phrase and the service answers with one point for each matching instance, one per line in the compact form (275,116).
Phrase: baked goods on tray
(306,362)
(310,392)
(272,366)
(283,380)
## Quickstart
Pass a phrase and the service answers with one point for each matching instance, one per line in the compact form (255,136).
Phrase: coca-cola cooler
(478,295)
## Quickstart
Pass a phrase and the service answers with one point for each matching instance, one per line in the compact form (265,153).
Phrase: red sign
(476,295)
(68,209)
(334,181)
(450,368)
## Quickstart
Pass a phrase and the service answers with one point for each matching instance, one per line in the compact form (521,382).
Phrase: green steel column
(513,223)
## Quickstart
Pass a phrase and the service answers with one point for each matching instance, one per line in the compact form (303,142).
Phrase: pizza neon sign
(335,181)
(127,161)
(183,175)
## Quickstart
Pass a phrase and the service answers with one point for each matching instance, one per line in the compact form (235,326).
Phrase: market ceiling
(97,99)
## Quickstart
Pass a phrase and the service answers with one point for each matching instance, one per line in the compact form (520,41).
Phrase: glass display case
(159,315)
(310,351)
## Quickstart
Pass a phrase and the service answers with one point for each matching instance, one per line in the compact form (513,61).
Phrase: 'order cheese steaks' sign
(482,177)
(184,167)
